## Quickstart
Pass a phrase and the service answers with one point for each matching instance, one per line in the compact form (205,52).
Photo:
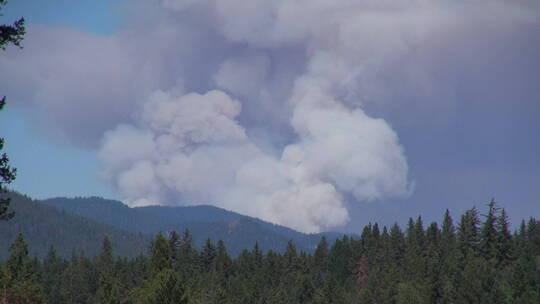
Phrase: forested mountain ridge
(237,231)
(44,226)
(73,224)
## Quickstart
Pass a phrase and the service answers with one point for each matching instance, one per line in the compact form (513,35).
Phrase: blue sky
(98,16)
(458,91)
(48,169)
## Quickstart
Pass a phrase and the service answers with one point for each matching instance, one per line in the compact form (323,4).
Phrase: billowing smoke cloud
(192,145)
(255,106)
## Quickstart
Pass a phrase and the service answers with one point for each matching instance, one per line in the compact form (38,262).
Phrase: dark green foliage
(479,262)
(19,276)
(160,254)
(468,235)
(237,231)
(53,267)
(488,243)
(169,289)
(504,239)
(11,33)
(7,175)
(107,292)
(44,226)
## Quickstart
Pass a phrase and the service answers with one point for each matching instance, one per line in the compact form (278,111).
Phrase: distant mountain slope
(44,225)
(205,213)
(111,212)
(236,230)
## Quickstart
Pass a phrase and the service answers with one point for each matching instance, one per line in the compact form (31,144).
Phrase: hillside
(44,226)
(236,230)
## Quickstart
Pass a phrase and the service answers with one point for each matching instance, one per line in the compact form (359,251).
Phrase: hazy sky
(318,115)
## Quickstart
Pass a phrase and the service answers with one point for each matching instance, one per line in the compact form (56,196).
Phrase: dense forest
(477,260)
(44,226)
(74,224)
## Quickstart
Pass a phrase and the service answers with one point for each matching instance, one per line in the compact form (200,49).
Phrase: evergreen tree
(448,234)
(107,292)
(188,257)
(468,237)
(410,235)
(174,245)
(290,256)
(53,267)
(533,237)
(412,292)
(420,233)
(20,284)
(208,254)
(488,240)
(105,258)
(222,262)
(160,258)
(504,238)
(397,243)
(426,266)
(433,235)
(7,175)
(11,34)
(321,255)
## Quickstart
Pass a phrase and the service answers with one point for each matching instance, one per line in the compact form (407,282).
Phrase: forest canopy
(477,260)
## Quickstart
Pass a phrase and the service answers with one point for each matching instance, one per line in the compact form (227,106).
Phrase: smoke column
(255,106)
(193,148)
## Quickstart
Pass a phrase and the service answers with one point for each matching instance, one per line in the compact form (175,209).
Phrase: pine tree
(290,255)
(375,232)
(504,238)
(7,175)
(433,235)
(320,257)
(11,34)
(320,263)
(468,237)
(434,260)
(397,243)
(410,235)
(107,292)
(160,258)
(488,240)
(414,264)
(448,231)
(175,242)
(106,259)
(21,285)
(208,254)
(53,266)
(222,262)
(165,287)
(19,263)
(188,257)
(533,237)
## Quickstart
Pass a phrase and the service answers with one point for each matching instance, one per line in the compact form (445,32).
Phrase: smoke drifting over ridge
(254,106)
(195,145)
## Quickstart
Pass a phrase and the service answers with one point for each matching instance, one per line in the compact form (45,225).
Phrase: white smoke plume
(194,145)
(255,106)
